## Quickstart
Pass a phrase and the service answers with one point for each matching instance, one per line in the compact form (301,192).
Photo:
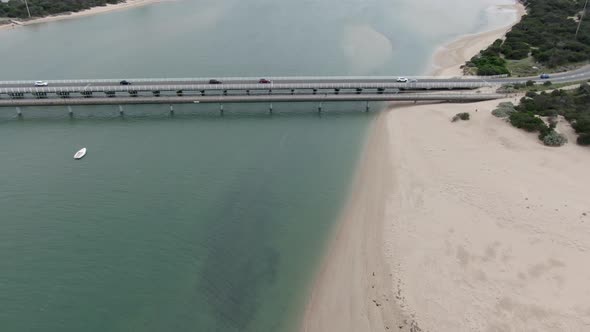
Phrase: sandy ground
(353,291)
(92,11)
(448,59)
(486,228)
(466,226)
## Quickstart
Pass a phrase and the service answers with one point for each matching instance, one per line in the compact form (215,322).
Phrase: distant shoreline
(88,12)
(357,287)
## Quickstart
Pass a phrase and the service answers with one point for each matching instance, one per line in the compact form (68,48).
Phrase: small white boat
(80,154)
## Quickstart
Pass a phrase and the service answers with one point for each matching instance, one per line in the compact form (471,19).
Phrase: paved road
(250,99)
(571,76)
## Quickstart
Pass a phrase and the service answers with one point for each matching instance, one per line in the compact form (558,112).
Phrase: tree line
(547,33)
(40,8)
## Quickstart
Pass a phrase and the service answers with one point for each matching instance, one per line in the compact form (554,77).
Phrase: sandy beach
(468,226)
(486,228)
(92,11)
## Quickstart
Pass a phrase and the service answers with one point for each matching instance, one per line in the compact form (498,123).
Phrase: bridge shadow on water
(186,112)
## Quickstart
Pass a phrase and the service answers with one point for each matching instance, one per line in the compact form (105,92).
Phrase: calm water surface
(194,222)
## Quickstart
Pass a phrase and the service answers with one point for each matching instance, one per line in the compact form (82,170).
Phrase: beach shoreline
(357,288)
(88,12)
(449,57)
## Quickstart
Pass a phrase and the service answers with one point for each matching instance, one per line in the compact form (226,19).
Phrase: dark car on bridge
(544,76)
(264,81)
(125,82)
(214,82)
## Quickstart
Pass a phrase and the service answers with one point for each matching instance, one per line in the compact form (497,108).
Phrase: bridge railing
(244,79)
(254,86)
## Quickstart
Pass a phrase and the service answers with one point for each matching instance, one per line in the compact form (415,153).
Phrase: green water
(196,222)
(190,223)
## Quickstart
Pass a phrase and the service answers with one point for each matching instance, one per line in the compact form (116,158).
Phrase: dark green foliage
(39,8)
(584,139)
(531,94)
(546,32)
(530,83)
(527,121)
(547,83)
(461,116)
(573,105)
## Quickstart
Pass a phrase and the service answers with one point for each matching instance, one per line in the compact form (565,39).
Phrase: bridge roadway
(250,99)
(579,74)
(236,89)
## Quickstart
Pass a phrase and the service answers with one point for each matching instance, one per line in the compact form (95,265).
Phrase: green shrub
(547,83)
(527,121)
(461,116)
(530,83)
(554,138)
(518,86)
(504,110)
(531,94)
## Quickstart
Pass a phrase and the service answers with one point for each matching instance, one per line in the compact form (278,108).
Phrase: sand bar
(92,11)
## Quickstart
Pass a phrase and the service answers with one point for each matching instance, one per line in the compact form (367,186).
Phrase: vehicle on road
(41,83)
(544,76)
(214,82)
(402,79)
(80,154)
(413,80)
(264,81)
(125,82)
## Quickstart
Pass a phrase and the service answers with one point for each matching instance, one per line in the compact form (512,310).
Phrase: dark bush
(584,139)
(461,116)
(527,121)
(530,83)
(547,83)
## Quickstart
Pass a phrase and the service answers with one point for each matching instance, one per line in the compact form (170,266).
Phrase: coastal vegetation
(549,37)
(573,105)
(461,116)
(40,8)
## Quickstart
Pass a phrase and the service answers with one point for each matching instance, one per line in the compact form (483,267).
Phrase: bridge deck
(248,99)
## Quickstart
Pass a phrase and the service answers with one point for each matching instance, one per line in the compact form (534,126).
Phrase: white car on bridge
(402,79)
(41,83)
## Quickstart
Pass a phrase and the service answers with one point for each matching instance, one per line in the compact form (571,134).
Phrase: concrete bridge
(250,89)
(234,90)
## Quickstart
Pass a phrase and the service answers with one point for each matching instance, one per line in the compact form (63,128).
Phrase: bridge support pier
(367,106)
(19,113)
(221,109)
(270,108)
(121,110)
(70,112)
(320,107)
(171,109)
